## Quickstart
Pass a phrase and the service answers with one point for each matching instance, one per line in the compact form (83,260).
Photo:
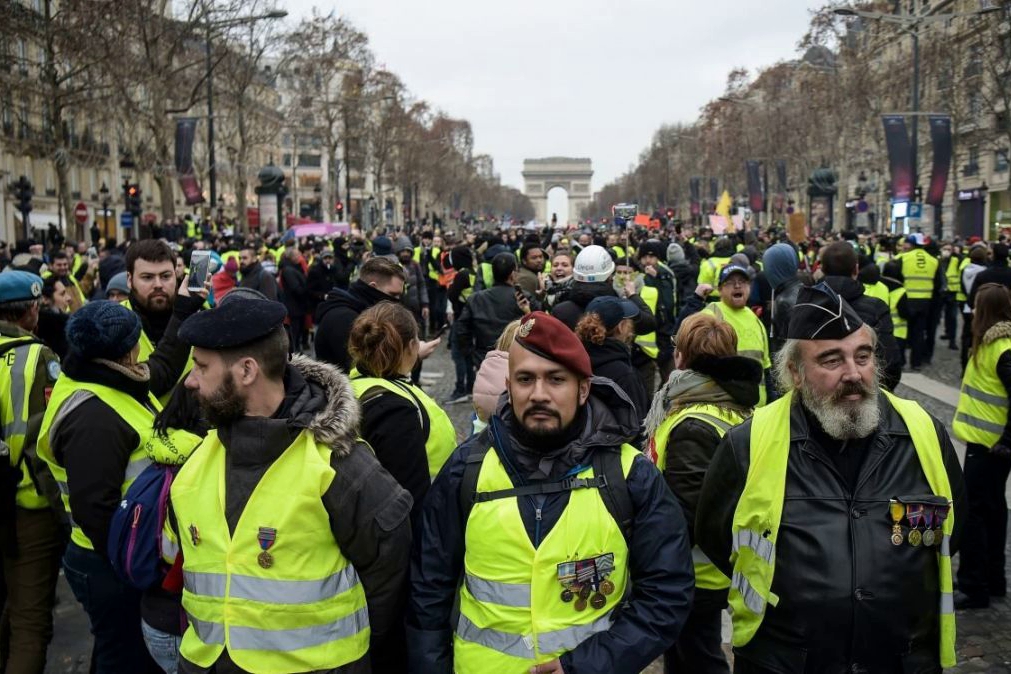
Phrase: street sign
(915,211)
(126,219)
(81,213)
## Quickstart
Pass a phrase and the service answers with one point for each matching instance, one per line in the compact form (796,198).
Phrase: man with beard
(287,503)
(573,553)
(253,274)
(835,511)
(531,267)
(150,274)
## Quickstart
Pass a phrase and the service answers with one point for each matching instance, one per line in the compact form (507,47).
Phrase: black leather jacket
(849,600)
(783,299)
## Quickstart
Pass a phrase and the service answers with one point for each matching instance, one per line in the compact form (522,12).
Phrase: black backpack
(609,478)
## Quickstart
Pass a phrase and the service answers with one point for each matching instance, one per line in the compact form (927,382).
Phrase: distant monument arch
(574,175)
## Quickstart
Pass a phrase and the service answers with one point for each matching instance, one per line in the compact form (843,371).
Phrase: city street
(984,644)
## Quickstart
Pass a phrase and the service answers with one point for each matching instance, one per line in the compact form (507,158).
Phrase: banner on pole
(755,198)
(186,130)
(900,156)
(940,138)
(694,188)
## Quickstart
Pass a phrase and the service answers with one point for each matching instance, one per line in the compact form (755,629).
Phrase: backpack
(135,534)
(609,478)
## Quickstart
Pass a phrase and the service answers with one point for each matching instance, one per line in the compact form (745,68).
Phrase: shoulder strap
(19,342)
(471,471)
(615,491)
(426,423)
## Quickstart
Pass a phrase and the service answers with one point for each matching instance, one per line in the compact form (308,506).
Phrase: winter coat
(878,315)
(570,307)
(613,360)
(685,276)
(484,317)
(489,383)
(296,289)
(335,316)
(661,575)
(416,289)
(848,598)
(258,278)
(784,297)
(369,511)
(321,280)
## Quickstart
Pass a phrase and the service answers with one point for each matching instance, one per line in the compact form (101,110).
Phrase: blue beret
(17,286)
(103,329)
(232,324)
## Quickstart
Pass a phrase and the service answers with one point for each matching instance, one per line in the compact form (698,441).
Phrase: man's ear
(584,390)
(248,370)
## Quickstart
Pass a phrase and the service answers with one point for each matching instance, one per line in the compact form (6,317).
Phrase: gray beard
(844,420)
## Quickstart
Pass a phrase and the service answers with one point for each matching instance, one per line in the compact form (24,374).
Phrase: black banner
(714,191)
(756,200)
(779,201)
(694,188)
(940,138)
(186,130)
(900,156)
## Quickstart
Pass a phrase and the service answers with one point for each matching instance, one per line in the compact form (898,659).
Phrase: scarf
(686,387)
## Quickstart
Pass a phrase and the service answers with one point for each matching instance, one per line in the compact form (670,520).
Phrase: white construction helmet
(593,265)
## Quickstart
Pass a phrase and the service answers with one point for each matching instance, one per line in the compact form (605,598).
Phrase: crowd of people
(246,473)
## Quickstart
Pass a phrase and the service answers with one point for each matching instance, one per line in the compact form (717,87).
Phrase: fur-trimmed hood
(334,420)
(997,331)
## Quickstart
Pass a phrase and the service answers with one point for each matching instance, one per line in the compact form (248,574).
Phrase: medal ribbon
(266,538)
(914,513)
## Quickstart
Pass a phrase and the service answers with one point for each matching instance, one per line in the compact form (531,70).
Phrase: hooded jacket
(483,319)
(571,307)
(368,509)
(613,360)
(849,600)
(661,574)
(731,383)
(335,316)
(878,315)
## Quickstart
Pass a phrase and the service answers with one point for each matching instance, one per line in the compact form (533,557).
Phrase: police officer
(93,437)
(834,511)
(923,279)
(284,502)
(712,390)
(573,553)
(31,538)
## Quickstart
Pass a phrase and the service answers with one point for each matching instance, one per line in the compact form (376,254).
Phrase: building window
(975,106)
(309,161)
(975,65)
(286,160)
(1000,161)
(972,166)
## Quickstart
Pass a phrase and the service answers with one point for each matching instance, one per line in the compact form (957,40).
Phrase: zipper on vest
(537,527)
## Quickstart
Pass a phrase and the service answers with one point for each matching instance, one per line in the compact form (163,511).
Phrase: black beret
(820,313)
(232,324)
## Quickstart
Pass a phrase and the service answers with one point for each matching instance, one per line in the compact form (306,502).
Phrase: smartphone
(199,268)
(92,253)
(440,332)
(520,295)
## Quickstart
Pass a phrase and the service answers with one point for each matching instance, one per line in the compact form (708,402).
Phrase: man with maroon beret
(548,543)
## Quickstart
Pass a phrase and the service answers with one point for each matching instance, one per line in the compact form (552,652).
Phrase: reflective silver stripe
(64,488)
(644,343)
(715,421)
(570,637)
(699,557)
(69,405)
(754,354)
(269,590)
(205,584)
(988,398)
(208,632)
(752,599)
(762,546)
(293,591)
(503,642)
(504,594)
(946,545)
(19,422)
(169,548)
(919,278)
(947,603)
(979,423)
(251,638)
(135,468)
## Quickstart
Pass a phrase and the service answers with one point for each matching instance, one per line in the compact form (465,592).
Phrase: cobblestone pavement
(984,636)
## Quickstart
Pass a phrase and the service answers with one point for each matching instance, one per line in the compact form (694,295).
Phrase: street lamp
(910,23)
(212,172)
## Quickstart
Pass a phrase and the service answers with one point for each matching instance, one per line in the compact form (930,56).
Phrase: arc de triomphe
(573,175)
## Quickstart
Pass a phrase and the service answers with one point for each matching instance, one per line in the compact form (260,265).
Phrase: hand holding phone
(199,269)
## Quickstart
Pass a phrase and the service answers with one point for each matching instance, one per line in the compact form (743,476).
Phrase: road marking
(931,387)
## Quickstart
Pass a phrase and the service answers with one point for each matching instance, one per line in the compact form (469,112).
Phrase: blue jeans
(113,609)
(163,647)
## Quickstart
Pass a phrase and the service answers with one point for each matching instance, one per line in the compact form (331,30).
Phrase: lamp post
(212,172)
(910,23)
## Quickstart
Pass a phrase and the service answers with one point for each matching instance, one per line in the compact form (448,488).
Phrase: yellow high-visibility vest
(441,440)
(18,366)
(959,292)
(647,342)
(139,417)
(433,269)
(709,272)
(707,576)
(147,347)
(759,513)
(899,325)
(878,290)
(918,270)
(512,613)
(278,592)
(752,339)
(983,401)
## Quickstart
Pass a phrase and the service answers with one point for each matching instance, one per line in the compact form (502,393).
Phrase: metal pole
(212,172)
(916,106)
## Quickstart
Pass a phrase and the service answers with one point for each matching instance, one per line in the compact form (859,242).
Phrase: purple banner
(756,200)
(714,191)
(186,130)
(900,156)
(940,138)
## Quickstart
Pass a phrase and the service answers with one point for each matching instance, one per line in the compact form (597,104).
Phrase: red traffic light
(132,191)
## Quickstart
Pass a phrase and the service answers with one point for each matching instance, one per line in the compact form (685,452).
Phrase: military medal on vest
(930,513)
(914,515)
(896,510)
(266,537)
(585,580)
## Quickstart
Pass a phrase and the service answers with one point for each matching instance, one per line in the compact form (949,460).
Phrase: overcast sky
(578,78)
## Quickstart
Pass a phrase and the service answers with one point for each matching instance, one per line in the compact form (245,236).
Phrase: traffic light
(133,203)
(670,213)
(340,209)
(23,193)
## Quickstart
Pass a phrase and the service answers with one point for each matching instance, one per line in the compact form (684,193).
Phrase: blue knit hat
(103,329)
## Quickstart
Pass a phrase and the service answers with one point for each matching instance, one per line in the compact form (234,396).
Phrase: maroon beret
(549,338)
